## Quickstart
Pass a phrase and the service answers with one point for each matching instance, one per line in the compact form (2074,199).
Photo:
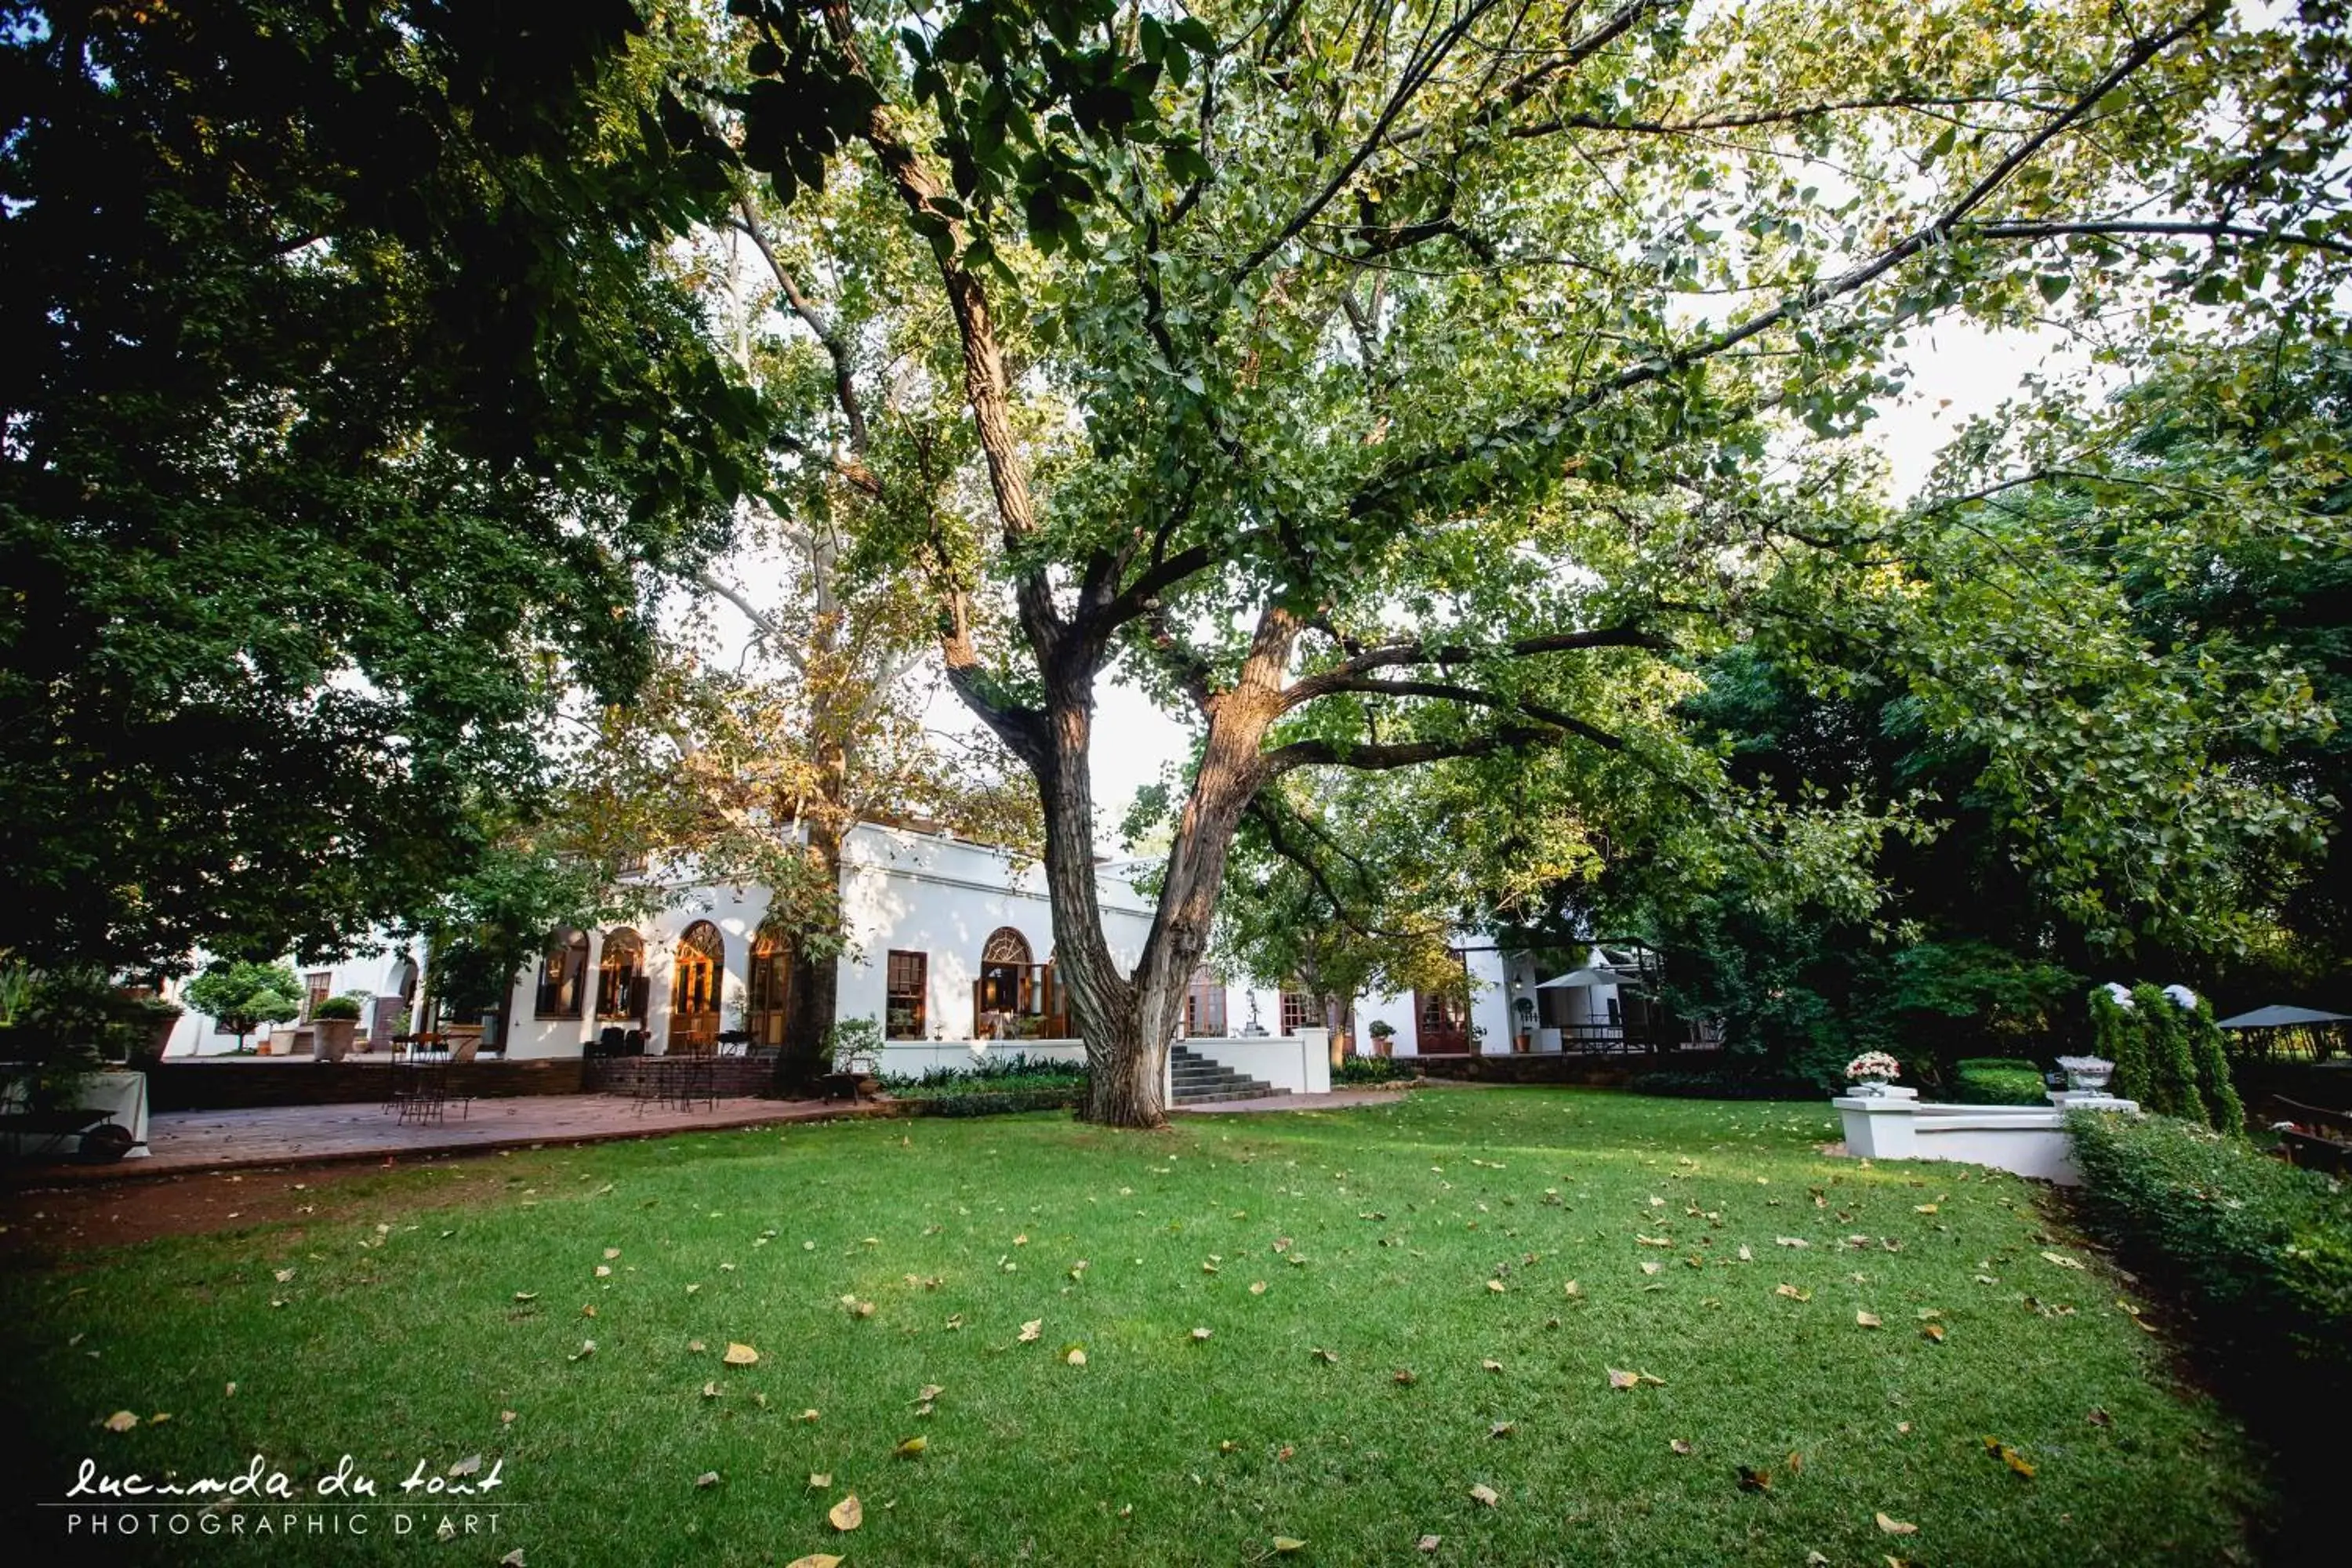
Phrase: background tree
(346,420)
(242,995)
(1425,360)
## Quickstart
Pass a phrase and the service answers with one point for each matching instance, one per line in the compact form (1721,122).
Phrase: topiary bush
(1996,1080)
(2263,1251)
(2214,1086)
(2116,1034)
(2171,1075)
(330,1008)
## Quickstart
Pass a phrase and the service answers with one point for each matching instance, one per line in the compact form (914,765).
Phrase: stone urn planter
(334,1037)
(2087,1075)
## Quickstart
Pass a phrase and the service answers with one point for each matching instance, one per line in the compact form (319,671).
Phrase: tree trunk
(1128,1020)
(812,1003)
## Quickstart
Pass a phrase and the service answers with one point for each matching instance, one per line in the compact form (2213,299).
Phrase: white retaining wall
(2029,1139)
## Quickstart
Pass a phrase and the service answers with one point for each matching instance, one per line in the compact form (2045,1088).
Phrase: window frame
(906,975)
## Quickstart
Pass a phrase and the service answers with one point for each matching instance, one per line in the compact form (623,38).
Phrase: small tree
(2227,1111)
(2117,1035)
(243,996)
(2172,1075)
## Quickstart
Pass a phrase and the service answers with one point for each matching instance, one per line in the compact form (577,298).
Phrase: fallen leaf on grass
(912,1448)
(1792,1241)
(805,1415)
(1752,1480)
(1933,1332)
(1490,1364)
(820,1481)
(1032,1328)
(2098,1418)
(1747,1255)
(603,1271)
(1572,1289)
(468,1466)
(1923,1208)
(1623,1378)
(740,1355)
(1792,1292)
(1257,1287)
(710,1391)
(2061,1261)
(930,1390)
(2016,1461)
(1680,1446)
(1896,1526)
(1867,1320)
(512,1559)
(1496,1286)
(1502,1429)
(1075,1357)
(1199,1335)
(1651,1268)
(1486,1494)
(526,1295)
(1405,1377)
(815,1560)
(284,1275)
(1284,1545)
(1326,1357)
(122,1421)
(611,1253)
(847,1514)
(706,1480)
(506,1417)
(1429,1543)
(587,1348)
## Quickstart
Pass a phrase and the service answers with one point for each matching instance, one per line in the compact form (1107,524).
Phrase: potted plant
(1868,1074)
(1524,1007)
(334,1021)
(855,1047)
(1383,1034)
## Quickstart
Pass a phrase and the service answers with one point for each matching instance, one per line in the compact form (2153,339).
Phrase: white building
(951,948)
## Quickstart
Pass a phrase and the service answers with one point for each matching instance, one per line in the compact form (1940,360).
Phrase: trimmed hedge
(1721,1086)
(2261,1250)
(1361,1071)
(989,1088)
(1996,1080)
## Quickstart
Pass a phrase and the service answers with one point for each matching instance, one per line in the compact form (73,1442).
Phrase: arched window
(1010,998)
(1204,1005)
(562,975)
(694,990)
(770,988)
(621,977)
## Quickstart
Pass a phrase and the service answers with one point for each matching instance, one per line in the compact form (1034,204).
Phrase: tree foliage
(1427,385)
(345,416)
(242,995)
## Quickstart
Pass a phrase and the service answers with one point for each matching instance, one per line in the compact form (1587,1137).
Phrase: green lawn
(1379,1236)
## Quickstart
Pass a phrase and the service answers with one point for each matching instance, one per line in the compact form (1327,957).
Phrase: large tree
(1398,385)
(344,419)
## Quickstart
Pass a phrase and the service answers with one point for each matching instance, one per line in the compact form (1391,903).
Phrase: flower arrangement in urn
(1872,1071)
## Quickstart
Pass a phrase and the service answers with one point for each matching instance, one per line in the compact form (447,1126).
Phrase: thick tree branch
(2217,232)
(1391,655)
(1382,758)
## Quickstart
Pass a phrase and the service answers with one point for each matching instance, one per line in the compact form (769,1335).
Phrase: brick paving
(189,1141)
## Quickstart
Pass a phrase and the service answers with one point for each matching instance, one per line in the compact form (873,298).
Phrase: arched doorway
(694,991)
(770,988)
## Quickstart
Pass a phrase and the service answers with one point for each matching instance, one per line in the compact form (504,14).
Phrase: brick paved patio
(299,1134)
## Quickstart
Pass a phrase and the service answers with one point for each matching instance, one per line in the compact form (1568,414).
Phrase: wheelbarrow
(93,1135)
